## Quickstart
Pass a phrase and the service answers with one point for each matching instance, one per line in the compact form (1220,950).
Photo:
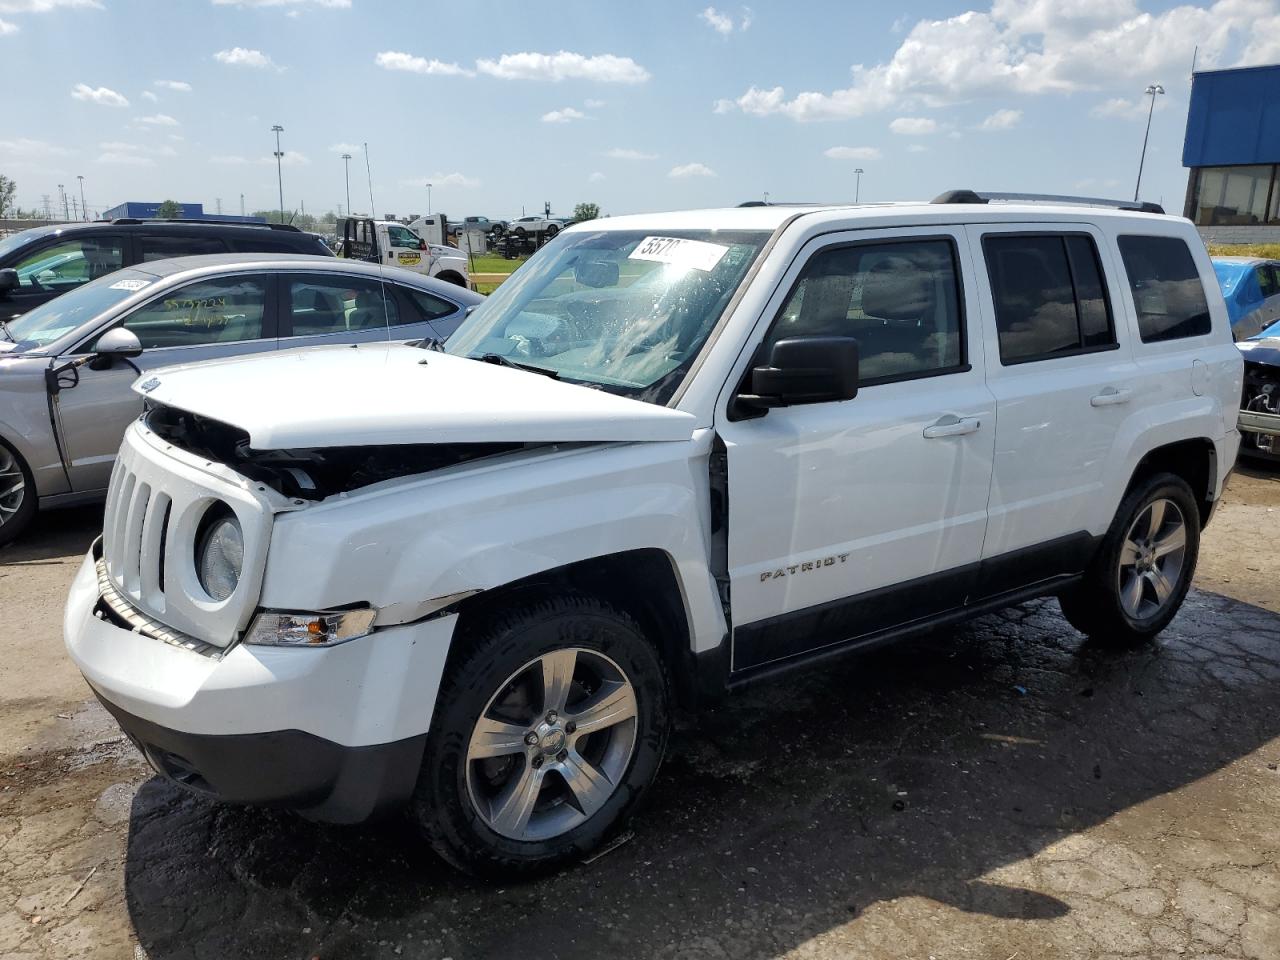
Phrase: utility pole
(217,202)
(428,199)
(1153,90)
(48,212)
(346,171)
(857,186)
(277,129)
(66,212)
(242,204)
(74,211)
(84,207)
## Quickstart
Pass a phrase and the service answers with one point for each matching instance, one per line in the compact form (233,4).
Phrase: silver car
(66,367)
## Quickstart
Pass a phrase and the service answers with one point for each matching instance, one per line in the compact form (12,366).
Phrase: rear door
(1063,384)
(204,320)
(321,308)
(54,266)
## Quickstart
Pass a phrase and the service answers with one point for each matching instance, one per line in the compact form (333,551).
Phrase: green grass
(1270,251)
(494,264)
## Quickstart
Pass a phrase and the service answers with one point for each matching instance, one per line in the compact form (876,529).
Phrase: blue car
(1251,287)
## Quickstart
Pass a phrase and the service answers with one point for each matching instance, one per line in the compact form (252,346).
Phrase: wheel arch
(643,583)
(452,276)
(1195,460)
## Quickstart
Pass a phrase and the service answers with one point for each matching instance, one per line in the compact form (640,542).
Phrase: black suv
(39,264)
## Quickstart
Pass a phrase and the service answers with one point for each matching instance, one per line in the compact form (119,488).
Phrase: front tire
(17,495)
(1142,572)
(552,230)
(547,731)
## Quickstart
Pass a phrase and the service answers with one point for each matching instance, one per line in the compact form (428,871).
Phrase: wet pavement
(1002,790)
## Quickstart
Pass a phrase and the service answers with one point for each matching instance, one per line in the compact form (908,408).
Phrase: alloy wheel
(552,745)
(1151,559)
(13,485)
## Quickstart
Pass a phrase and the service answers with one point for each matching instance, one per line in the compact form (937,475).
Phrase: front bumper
(1254,422)
(1261,434)
(335,732)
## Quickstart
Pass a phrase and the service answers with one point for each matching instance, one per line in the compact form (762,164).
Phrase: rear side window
(1269,280)
(428,306)
(1049,296)
(1167,292)
(151,247)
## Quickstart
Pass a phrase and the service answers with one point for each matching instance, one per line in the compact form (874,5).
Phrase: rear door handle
(952,426)
(1111,397)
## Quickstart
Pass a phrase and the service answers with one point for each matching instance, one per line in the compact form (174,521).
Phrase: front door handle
(1111,397)
(952,426)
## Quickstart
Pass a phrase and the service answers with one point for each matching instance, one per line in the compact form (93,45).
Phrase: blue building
(190,211)
(1232,148)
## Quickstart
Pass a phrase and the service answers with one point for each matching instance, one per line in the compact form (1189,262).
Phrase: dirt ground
(1004,790)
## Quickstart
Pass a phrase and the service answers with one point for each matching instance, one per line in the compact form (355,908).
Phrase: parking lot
(1001,790)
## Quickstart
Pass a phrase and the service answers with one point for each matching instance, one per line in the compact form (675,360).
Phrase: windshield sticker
(129,284)
(697,254)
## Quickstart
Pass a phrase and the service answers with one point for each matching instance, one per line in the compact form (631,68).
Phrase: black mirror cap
(805,370)
(8,280)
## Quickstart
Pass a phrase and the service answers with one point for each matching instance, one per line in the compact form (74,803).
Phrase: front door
(851,517)
(205,320)
(59,265)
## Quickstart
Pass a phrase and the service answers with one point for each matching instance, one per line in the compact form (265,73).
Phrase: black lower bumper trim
(321,779)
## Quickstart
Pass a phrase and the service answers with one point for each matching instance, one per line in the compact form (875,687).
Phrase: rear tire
(552,230)
(510,785)
(17,495)
(1142,572)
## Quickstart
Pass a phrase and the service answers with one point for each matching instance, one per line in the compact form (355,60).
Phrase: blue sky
(637,106)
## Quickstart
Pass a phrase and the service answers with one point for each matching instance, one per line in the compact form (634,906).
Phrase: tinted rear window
(1167,292)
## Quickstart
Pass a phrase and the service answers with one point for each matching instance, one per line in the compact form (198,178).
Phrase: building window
(1234,196)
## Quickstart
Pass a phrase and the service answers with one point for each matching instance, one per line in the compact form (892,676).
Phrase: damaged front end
(1260,409)
(313,473)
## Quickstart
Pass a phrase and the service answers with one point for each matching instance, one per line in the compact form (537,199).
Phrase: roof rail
(973,196)
(223,221)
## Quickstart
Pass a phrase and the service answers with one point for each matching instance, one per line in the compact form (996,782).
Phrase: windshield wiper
(502,361)
(4,328)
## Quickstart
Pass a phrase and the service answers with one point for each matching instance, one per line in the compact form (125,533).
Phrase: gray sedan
(67,366)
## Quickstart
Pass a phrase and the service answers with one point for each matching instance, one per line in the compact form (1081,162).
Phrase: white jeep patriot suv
(673,454)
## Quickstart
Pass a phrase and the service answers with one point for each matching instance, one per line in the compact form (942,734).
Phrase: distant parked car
(536,226)
(87,347)
(483,224)
(39,264)
(1251,287)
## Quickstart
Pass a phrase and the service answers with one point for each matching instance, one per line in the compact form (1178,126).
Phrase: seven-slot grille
(134,536)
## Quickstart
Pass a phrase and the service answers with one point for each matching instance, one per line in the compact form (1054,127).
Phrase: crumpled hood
(390,393)
(1265,351)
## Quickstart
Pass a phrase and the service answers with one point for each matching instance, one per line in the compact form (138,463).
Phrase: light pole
(84,207)
(857,185)
(1153,90)
(277,129)
(346,167)
(62,192)
(428,199)
(766,198)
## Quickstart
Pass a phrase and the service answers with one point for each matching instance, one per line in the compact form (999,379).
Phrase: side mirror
(8,280)
(117,344)
(804,370)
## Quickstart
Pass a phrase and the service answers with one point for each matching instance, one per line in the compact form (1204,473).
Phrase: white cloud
(593,104)
(149,96)
(243,57)
(100,95)
(1033,47)
(852,153)
(596,177)
(622,153)
(7,28)
(395,60)
(158,120)
(690,170)
(332,4)
(917,148)
(604,68)
(340,148)
(133,154)
(24,149)
(1001,120)
(438,180)
(913,126)
(563,115)
(721,23)
(126,159)
(1135,109)
(178,86)
(44,6)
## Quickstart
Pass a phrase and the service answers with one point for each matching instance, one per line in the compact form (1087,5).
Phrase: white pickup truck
(395,245)
(675,454)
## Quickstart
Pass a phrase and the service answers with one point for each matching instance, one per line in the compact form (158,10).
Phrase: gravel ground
(1003,790)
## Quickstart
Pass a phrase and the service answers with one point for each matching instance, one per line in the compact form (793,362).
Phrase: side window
(226,310)
(1268,279)
(901,300)
(1049,296)
(1166,288)
(428,306)
(152,247)
(341,304)
(65,266)
(403,237)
